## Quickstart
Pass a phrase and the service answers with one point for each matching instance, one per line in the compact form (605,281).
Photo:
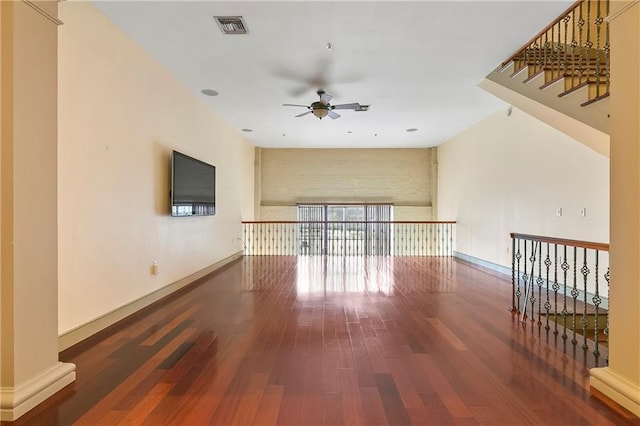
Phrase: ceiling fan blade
(305,106)
(325,98)
(346,106)
(303,114)
(333,115)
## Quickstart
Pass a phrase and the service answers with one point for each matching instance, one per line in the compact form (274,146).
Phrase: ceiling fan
(322,108)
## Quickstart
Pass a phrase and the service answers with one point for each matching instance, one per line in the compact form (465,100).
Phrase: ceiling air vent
(231,24)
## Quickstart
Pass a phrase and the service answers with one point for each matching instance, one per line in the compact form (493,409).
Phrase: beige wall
(404,177)
(510,174)
(120,115)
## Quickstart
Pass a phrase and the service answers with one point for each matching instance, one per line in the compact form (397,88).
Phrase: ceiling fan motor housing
(319,109)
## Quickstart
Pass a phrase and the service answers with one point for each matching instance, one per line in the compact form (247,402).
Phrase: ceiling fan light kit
(322,108)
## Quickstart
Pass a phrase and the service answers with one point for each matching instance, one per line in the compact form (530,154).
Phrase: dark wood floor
(312,340)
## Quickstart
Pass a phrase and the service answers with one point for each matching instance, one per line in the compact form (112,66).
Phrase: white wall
(510,174)
(120,115)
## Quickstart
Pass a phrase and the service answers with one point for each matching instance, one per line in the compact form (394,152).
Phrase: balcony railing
(562,287)
(381,238)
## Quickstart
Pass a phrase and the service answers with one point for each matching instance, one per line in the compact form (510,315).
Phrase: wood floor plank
(268,410)
(143,408)
(447,334)
(327,340)
(153,339)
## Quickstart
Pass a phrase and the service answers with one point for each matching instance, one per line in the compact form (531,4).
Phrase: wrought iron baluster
(581,58)
(513,274)
(253,239)
(598,21)
(269,236)
(525,277)
(588,43)
(286,238)
(596,303)
(539,281)
(286,228)
(574,295)
(545,49)
(449,240)
(565,267)
(244,236)
(293,239)
(574,44)
(431,239)
(556,287)
(414,238)
(547,305)
(565,20)
(607,276)
(585,318)
(606,49)
(518,292)
(532,297)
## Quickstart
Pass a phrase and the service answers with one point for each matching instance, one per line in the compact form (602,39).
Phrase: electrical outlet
(154,268)
(583,212)
(559,211)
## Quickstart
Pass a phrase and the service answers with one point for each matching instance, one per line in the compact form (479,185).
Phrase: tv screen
(193,186)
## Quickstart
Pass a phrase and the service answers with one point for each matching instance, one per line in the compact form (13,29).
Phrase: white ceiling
(416,63)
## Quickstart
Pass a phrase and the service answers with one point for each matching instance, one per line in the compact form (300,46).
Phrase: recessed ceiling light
(209,92)
(412,129)
(247,130)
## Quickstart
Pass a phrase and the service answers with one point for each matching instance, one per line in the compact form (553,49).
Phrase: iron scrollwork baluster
(547,305)
(596,303)
(565,267)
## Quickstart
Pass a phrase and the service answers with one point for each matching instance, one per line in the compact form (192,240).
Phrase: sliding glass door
(345,229)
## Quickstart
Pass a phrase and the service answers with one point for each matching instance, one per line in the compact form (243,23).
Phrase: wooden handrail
(547,28)
(342,221)
(562,241)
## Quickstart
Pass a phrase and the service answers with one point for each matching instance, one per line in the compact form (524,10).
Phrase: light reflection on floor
(323,275)
(344,274)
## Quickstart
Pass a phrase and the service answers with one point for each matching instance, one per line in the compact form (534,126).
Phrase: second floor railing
(333,238)
(562,287)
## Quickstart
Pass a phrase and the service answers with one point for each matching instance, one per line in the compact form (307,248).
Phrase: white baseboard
(616,387)
(484,263)
(15,401)
(78,334)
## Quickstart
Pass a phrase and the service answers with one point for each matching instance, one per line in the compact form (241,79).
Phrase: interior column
(620,381)
(29,368)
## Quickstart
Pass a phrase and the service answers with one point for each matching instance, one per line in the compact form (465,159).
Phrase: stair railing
(561,286)
(574,47)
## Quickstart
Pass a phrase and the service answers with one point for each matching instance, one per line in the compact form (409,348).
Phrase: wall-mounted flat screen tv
(193,186)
